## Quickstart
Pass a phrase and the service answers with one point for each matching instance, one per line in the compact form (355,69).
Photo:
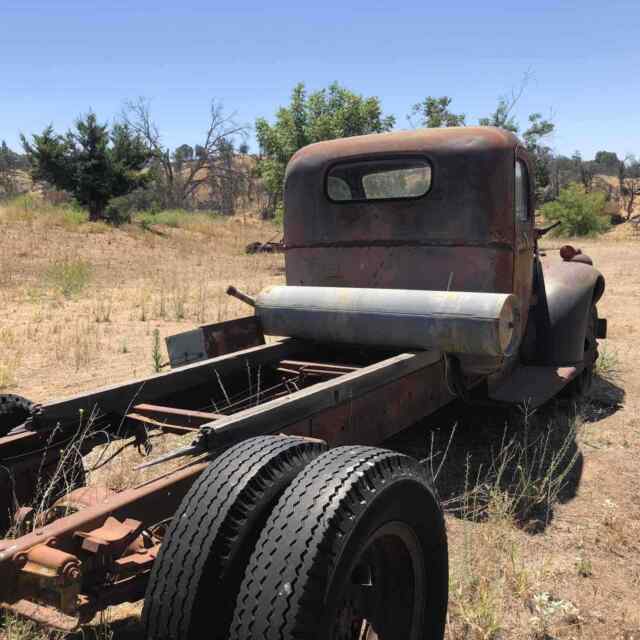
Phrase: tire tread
(211,524)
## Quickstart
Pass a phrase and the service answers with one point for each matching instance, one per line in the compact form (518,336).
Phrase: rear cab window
(380,179)
(521,195)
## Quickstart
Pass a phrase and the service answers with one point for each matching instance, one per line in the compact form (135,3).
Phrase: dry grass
(543,517)
(506,493)
(30,209)
(79,310)
(531,559)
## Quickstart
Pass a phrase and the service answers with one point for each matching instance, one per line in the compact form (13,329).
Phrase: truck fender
(565,292)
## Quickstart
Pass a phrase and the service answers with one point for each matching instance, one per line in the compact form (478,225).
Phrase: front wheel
(579,387)
(354,550)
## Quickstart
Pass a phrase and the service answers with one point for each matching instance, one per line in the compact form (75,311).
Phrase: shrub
(171,218)
(579,213)
(121,209)
(201,222)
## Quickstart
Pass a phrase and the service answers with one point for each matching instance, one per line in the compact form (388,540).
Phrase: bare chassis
(95,548)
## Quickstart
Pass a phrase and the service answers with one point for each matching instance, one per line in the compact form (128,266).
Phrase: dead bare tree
(229,178)
(178,180)
(503,115)
(629,183)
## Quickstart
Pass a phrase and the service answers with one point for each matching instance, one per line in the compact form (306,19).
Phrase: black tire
(357,539)
(14,410)
(581,384)
(196,577)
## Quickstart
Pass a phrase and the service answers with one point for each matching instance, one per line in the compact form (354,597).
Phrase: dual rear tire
(280,539)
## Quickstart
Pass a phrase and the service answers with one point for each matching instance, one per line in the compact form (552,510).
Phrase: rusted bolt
(20,559)
(72,572)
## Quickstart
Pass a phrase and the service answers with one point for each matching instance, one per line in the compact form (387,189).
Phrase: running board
(533,386)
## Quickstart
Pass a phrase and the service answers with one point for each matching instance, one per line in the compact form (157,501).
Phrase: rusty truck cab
(430,209)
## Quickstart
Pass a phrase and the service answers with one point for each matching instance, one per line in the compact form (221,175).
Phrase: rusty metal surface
(463,226)
(465,268)
(175,416)
(82,498)
(263,247)
(232,335)
(119,398)
(277,414)
(378,416)
(212,340)
(302,365)
(44,614)
(52,578)
(533,386)
(43,574)
(566,294)
(47,582)
(149,503)
(103,534)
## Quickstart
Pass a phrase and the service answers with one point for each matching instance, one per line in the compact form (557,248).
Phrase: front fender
(565,293)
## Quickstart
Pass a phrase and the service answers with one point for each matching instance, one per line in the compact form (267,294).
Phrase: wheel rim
(384,594)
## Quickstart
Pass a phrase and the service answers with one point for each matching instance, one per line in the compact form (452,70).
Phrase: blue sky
(60,58)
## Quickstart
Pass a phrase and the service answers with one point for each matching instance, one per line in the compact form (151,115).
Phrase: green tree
(502,117)
(334,112)
(10,163)
(584,170)
(535,134)
(579,213)
(184,153)
(90,162)
(538,130)
(434,112)
(607,159)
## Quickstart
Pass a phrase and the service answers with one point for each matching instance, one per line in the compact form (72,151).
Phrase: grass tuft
(32,209)
(69,275)
(507,495)
(156,352)
(9,358)
(607,365)
(200,222)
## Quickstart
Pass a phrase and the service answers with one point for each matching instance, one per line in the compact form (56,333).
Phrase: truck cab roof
(404,209)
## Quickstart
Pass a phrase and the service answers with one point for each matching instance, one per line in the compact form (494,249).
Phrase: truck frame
(283,518)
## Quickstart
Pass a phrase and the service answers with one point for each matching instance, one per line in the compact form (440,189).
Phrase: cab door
(523,211)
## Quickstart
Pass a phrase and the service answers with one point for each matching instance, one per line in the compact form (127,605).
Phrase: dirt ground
(80,309)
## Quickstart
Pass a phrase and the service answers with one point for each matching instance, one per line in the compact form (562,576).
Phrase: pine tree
(90,162)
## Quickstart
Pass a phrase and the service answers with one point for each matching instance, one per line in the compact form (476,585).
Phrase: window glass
(522,191)
(338,189)
(379,180)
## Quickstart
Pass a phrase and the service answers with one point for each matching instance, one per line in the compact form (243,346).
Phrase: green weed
(69,275)
(607,364)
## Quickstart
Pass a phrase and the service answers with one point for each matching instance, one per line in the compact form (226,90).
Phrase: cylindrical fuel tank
(449,321)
